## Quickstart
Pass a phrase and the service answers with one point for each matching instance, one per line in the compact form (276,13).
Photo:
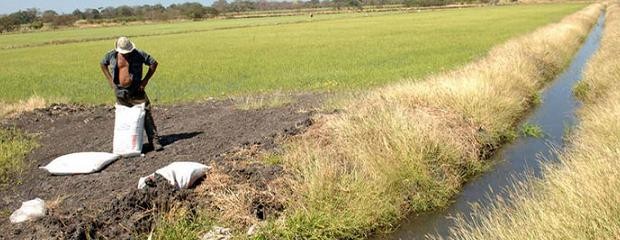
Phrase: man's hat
(124,46)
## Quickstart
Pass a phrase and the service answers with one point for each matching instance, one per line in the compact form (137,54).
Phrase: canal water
(519,159)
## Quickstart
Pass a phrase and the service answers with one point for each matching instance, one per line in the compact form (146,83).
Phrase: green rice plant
(339,54)
(77,35)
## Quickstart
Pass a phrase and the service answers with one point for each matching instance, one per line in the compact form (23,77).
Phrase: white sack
(128,128)
(80,163)
(29,210)
(179,174)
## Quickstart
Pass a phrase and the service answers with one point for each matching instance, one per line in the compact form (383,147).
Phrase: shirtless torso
(123,71)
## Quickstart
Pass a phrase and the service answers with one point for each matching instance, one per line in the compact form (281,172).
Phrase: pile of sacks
(128,141)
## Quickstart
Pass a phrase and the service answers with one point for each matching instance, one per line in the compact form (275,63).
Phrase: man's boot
(155,144)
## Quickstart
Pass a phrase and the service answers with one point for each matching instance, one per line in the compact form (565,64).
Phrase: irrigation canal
(516,161)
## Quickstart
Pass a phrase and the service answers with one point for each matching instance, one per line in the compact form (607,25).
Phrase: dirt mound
(108,204)
(123,217)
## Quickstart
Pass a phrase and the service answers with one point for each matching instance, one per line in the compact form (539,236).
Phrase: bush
(426,3)
(36,25)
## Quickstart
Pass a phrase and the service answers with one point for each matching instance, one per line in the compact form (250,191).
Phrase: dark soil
(107,204)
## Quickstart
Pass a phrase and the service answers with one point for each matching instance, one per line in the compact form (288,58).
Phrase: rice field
(217,58)
(91,33)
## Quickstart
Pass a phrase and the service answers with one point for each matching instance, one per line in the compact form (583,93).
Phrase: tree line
(33,18)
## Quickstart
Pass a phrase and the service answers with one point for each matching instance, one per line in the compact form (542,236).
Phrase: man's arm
(148,76)
(104,69)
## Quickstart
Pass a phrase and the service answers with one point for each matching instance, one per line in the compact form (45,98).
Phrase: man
(123,69)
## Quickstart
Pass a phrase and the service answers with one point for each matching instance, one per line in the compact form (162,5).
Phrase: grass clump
(272,159)
(408,147)
(577,199)
(263,101)
(532,130)
(180,223)
(10,109)
(14,145)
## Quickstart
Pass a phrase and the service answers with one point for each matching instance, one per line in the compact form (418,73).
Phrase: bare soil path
(202,132)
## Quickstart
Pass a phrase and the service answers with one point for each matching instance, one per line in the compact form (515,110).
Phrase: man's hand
(148,76)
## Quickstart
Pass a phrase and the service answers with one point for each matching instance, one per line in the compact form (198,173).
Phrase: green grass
(532,130)
(272,159)
(14,146)
(180,223)
(337,54)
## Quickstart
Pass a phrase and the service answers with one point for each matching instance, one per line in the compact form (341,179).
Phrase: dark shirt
(136,59)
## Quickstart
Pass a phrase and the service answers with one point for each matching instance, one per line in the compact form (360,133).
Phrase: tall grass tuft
(14,145)
(10,109)
(578,199)
(408,147)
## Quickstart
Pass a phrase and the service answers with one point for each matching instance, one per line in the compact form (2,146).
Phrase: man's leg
(149,126)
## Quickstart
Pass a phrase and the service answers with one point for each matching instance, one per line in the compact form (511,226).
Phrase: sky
(67,6)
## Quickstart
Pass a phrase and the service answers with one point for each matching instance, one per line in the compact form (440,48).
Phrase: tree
(220,5)
(212,11)
(78,14)
(7,24)
(92,14)
(242,6)
(124,11)
(355,4)
(108,12)
(155,12)
(340,3)
(48,16)
(315,3)
(193,10)
(25,17)
(63,20)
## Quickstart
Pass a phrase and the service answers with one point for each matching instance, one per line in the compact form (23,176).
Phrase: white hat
(124,46)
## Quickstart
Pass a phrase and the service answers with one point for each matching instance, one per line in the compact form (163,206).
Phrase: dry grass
(11,109)
(578,199)
(231,202)
(263,101)
(409,146)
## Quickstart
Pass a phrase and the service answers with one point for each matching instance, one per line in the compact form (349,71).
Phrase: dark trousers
(125,98)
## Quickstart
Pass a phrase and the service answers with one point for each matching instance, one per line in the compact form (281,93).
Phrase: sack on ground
(29,210)
(128,128)
(80,163)
(179,174)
